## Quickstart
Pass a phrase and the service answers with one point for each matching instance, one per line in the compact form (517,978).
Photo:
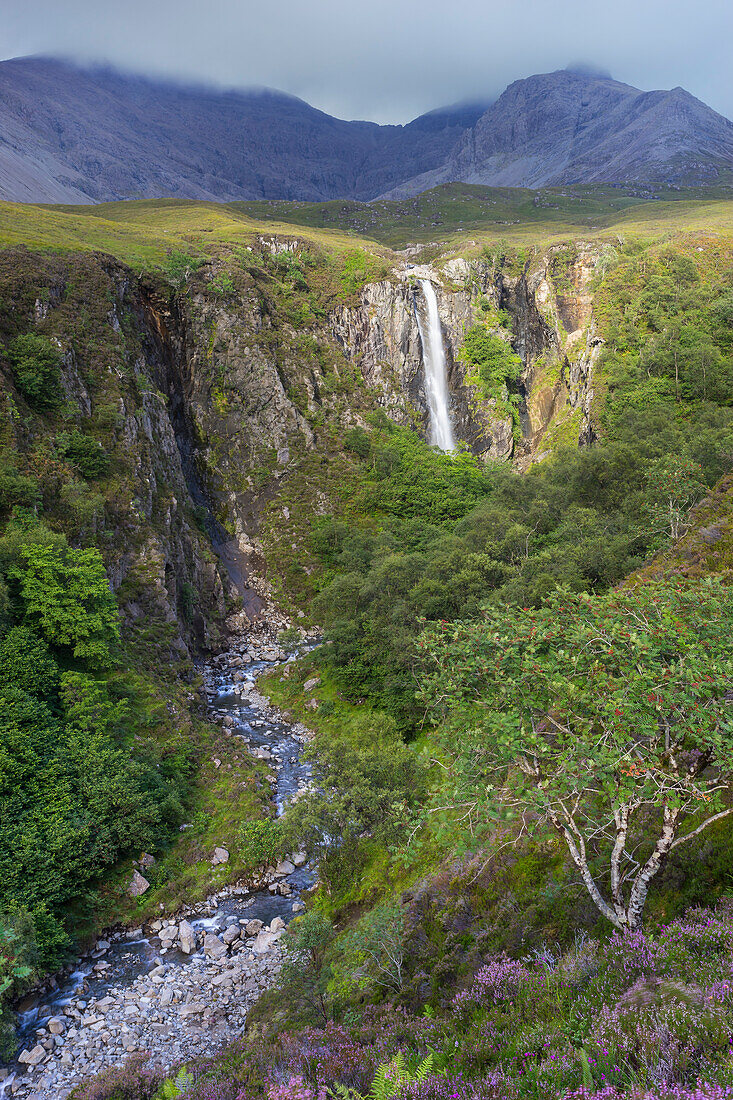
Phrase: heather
(638,1015)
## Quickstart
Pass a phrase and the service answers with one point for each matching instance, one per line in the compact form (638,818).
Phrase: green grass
(143,233)
(447,213)
(459,217)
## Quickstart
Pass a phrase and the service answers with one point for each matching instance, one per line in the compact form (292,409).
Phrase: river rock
(33,1057)
(284,867)
(230,934)
(213,947)
(300,859)
(186,937)
(252,927)
(56,1025)
(264,942)
(277,924)
(138,885)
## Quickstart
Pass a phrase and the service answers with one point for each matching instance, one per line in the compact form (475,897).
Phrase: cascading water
(441,429)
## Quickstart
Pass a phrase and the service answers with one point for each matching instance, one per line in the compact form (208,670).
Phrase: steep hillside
(93,135)
(567,127)
(226,422)
(75,135)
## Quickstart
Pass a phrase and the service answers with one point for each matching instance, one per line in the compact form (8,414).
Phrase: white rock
(221,855)
(138,885)
(264,942)
(187,937)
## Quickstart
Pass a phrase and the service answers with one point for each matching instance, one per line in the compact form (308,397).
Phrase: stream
(181,986)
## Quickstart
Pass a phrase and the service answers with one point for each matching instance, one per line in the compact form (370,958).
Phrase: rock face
(571,127)
(213,392)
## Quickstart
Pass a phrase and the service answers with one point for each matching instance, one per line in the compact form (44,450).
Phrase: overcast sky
(387,60)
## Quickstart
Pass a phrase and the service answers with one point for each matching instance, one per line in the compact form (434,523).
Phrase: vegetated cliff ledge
(208,397)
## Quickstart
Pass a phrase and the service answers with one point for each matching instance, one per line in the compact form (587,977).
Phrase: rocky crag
(207,401)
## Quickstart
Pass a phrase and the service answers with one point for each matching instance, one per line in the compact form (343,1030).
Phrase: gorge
(455,462)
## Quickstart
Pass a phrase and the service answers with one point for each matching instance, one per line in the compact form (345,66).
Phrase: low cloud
(387,60)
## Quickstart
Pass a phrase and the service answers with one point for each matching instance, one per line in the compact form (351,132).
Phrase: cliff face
(207,401)
(113,372)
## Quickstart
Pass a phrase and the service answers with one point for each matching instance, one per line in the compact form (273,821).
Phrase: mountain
(577,127)
(88,135)
(77,135)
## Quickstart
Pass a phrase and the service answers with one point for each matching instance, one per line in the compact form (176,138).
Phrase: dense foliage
(440,542)
(71,796)
(606,717)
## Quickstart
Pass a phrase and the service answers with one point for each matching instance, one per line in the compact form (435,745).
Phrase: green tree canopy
(597,715)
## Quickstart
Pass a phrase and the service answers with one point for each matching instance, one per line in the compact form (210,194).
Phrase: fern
(388,1080)
(173,1088)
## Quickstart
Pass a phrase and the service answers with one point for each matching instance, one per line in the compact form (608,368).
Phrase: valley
(435,435)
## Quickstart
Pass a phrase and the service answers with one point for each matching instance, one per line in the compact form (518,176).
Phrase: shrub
(85,453)
(36,364)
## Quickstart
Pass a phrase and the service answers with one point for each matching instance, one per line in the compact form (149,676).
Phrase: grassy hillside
(457,216)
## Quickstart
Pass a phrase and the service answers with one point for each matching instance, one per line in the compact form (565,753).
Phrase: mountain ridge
(75,135)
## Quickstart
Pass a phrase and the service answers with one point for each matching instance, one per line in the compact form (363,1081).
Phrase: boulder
(284,867)
(213,946)
(33,1057)
(264,942)
(187,937)
(252,927)
(56,1025)
(300,859)
(138,885)
(221,855)
(231,934)
(312,683)
(277,924)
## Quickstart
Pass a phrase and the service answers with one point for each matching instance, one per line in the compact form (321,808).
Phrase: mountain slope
(75,135)
(567,127)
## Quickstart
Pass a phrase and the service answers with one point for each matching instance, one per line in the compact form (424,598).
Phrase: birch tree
(605,717)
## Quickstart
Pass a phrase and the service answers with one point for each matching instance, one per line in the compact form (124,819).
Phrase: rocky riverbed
(181,986)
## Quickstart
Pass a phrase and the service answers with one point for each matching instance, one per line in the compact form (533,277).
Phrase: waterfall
(441,429)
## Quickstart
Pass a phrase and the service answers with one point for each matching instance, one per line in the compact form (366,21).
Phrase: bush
(262,843)
(85,453)
(36,364)
(26,663)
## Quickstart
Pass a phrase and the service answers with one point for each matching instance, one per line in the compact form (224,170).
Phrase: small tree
(377,944)
(305,972)
(674,486)
(36,366)
(604,716)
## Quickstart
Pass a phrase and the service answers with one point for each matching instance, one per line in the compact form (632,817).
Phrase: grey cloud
(387,60)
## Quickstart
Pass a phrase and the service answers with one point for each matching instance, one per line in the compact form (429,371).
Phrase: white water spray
(441,429)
